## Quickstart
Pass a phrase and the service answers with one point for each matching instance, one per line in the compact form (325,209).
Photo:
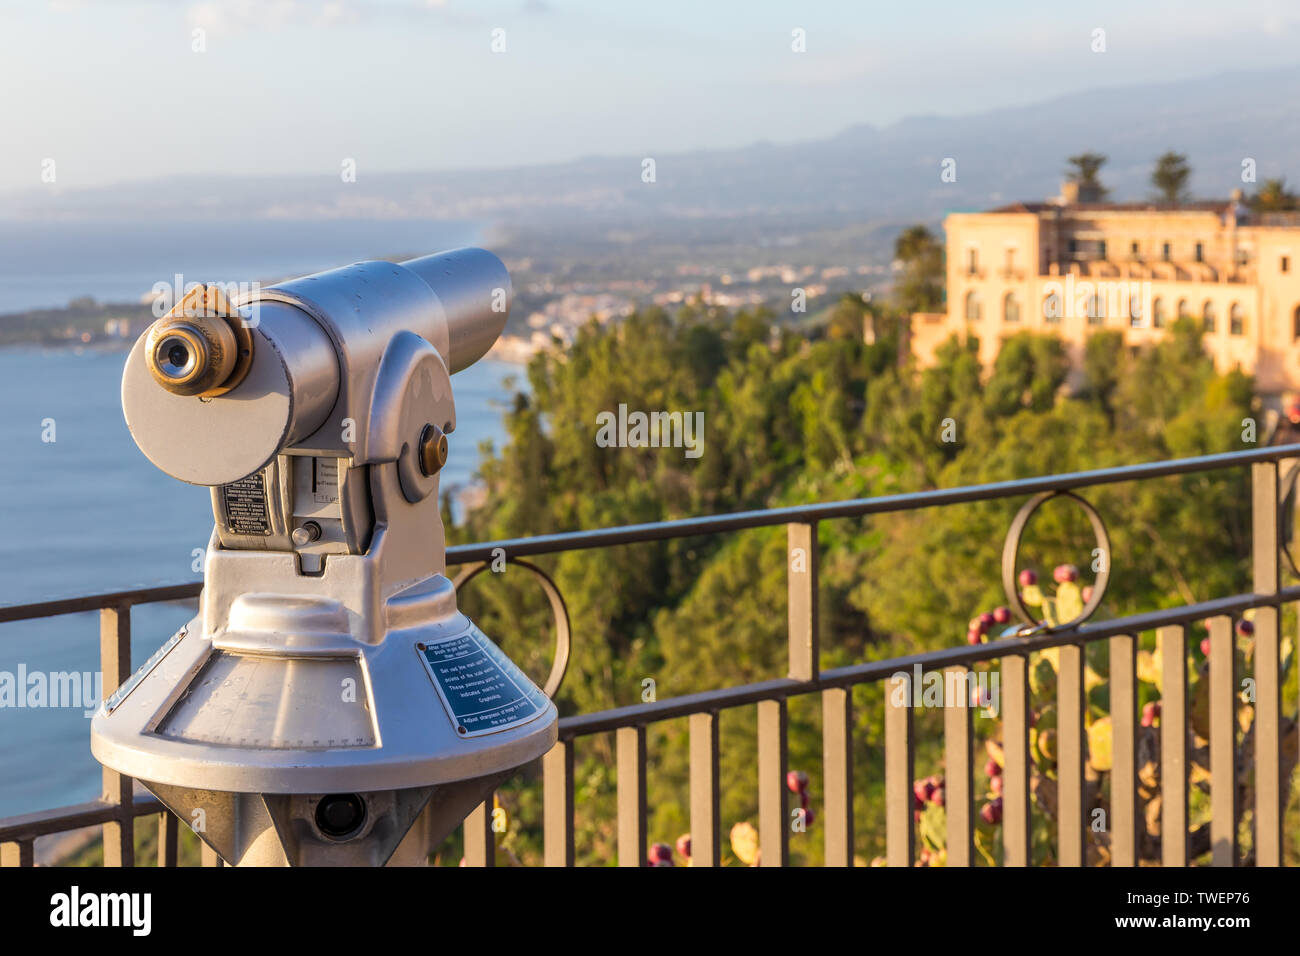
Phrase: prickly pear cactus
(1061,605)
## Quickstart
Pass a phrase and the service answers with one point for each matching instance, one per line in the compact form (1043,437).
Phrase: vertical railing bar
(900,834)
(957,775)
(1223,741)
(631,761)
(1015,771)
(557,805)
(1069,767)
(1173,745)
(1266,571)
(168,838)
(1123,777)
(706,838)
(837,774)
(480,847)
(773,823)
(19,853)
(115,668)
(801,576)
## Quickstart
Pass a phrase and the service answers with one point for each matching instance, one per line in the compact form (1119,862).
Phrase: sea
(83,512)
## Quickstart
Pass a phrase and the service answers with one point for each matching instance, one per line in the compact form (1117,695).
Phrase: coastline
(513,349)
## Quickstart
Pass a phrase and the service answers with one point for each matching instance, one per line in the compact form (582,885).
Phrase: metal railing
(118,809)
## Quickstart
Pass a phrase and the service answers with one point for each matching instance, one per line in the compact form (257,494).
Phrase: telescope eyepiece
(197,354)
(180,355)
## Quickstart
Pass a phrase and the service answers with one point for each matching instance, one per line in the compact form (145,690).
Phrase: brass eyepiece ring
(201,347)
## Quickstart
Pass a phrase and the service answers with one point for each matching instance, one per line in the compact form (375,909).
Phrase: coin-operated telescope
(328,695)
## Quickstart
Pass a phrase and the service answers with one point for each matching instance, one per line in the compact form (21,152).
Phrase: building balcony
(1159,270)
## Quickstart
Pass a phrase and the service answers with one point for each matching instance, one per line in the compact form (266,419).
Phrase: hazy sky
(113,90)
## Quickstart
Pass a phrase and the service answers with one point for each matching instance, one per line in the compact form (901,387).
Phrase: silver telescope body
(315,344)
(329,704)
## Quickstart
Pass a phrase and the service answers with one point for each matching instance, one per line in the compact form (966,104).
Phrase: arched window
(972,306)
(1182,309)
(1158,314)
(1096,310)
(1207,316)
(1010,308)
(1052,309)
(1135,316)
(1295,328)
(1237,319)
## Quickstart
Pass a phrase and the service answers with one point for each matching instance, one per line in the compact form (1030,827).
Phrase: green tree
(921,287)
(821,415)
(1273,196)
(1170,177)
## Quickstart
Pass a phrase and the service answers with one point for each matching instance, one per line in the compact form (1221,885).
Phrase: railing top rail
(713,524)
(94,602)
(857,507)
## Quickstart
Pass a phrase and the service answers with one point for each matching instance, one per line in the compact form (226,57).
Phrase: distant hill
(889,173)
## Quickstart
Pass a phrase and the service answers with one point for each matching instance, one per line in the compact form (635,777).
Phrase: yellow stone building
(1074,265)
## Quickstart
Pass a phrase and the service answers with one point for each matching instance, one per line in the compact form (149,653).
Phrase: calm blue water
(87,513)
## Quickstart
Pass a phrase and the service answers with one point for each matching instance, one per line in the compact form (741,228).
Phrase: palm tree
(1170,177)
(1084,169)
(912,243)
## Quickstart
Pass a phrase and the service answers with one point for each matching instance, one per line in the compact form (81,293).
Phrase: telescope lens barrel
(474,288)
(288,357)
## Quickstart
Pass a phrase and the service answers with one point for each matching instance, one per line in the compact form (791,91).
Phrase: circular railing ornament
(559,611)
(1011,554)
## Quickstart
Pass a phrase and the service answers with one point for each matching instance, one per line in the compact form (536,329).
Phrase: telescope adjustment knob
(433,450)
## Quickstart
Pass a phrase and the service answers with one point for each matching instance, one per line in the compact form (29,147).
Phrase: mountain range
(863,174)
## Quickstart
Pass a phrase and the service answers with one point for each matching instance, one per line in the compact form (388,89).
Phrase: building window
(1133,249)
(1284,265)
(1165,252)
(1135,311)
(1296,323)
(1074,247)
(972,306)
(1096,310)
(1010,308)
(1052,309)
(973,261)
(1101,250)
(1207,316)
(1236,320)
(1182,309)
(1200,252)
(1158,314)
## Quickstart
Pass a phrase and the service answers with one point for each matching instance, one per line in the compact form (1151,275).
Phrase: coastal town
(548,309)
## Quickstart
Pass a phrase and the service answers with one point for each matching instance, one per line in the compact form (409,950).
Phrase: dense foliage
(801,418)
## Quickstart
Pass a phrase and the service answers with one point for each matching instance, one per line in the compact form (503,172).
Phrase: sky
(135,90)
